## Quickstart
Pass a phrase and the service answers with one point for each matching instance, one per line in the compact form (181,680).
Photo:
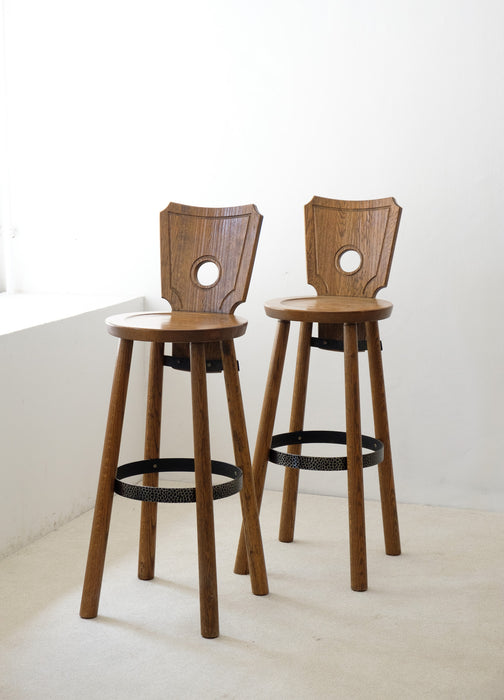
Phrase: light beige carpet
(431,624)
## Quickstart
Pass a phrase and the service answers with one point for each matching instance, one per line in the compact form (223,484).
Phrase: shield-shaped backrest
(349,245)
(207,256)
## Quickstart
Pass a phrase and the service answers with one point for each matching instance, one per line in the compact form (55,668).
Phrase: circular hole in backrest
(207,273)
(349,261)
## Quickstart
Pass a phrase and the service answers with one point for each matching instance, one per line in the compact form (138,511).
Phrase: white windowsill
(21,311)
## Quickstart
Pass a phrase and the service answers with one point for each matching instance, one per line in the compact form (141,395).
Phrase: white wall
(55,388)
(117,108)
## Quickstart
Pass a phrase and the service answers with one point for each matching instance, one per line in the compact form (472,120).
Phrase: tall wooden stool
(202,328)
(349,248)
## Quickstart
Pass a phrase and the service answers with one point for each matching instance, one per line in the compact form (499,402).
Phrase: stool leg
(148,519)
(291,476)
(257,566)
(105,494)
(209,613)
(385,471)
(265,432)
(358,565)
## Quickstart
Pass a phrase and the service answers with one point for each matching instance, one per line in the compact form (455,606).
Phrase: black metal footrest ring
(369,459)
(158,494)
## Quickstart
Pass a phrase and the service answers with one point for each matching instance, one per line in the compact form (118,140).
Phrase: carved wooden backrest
(349,245)
(196,238)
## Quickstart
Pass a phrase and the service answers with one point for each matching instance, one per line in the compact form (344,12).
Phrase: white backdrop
(117,108)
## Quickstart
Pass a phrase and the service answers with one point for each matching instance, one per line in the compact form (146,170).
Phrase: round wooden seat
(176,327)
(328,309)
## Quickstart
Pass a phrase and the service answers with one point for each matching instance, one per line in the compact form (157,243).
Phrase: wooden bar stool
(206,264)
(349,248)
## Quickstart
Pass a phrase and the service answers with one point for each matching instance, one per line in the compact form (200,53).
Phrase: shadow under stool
(349,249)
(207,257)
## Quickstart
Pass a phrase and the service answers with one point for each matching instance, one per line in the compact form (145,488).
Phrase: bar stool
(349,248)
(206,264)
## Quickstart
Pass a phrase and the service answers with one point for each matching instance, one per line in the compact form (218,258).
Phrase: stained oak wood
(291,476)
(265,432)
(346,311)
(200,326)
(248,498)
(357,526)
(334,226)
(177,327)
(328,309)
(209,607)
(385,471)
(191,236)
(148,518)
(103,508)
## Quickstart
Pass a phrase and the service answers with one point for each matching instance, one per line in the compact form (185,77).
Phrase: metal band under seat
(157,494)
(337,345)
(184,364)
(334,437)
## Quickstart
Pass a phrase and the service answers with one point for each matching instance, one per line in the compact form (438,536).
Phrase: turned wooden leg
(148,519)
(265,432)
(291,476)
(257,566)
(209,613)
(105,494)
(358,564)
(385,471)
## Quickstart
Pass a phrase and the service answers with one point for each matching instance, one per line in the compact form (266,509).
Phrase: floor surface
(431,624)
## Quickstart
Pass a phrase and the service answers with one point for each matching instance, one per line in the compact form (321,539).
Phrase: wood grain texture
(328,309)
(105,493)
(333,226)
(148,518)
(201,326)
(209,613)
(248,498)
(345,310)
(291,476)
(192,235)
(265,431)
(358,561)
(176,327)
(385,471)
